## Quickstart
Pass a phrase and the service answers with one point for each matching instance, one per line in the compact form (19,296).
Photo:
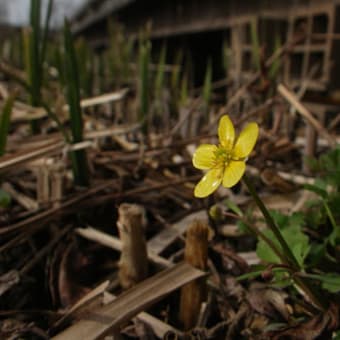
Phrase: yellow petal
(209,183)
(226,132)
(233,173)
(204,156)
(246,141)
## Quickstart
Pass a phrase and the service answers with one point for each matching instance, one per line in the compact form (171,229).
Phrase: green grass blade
(31,41)
(143,89)
(72,85)
(175,75)
(128,51)
(5,122)
(160,76)
(276,65)
(207,87)
(184,94)
(34,71)
(5,199)
(78,158)
(46,31)
(84,70)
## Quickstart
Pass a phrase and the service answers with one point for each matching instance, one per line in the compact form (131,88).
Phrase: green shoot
(78,158)
(175,82)
(276,65)
(184,94)
(286,255)
(207,87)
(35,42)
(143,88)
(5,122)
(5,199)
(160,76)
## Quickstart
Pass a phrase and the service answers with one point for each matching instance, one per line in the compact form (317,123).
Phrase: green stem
(309,290)
(290,258)
(267,240)
(329,214)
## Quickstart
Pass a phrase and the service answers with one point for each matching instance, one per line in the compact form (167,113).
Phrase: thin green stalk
(184,93)
(144,60)
(207,91)
(175,83)
(5,122)
(126,59)
(34,63)
(72,85)
(207,87)
(268,241)
(45,32)
(290,258)
(78,158)
(35,42)
(56,119)
(329,214)
(175,75)
(276,65)
(160,76)
(34,55)
(309,290)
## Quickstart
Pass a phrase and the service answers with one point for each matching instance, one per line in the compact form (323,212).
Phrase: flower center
(222,157)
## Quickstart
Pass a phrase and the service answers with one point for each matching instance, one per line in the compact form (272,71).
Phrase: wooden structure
(313,58)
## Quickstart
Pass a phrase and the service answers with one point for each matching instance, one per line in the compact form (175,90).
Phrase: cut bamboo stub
(196,254)
(133,264)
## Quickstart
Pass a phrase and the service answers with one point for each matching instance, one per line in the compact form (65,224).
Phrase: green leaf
(317,190)
(298,243)
(317,253)
(329,281)
(5,199)
(233,207)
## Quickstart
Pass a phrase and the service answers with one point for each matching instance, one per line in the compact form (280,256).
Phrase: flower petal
(204,156)
(246,141)
(233,173)
(226,132)
(209,183)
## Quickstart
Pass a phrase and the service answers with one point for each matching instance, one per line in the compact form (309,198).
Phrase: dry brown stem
(196,254)
(304,112)
(133,265)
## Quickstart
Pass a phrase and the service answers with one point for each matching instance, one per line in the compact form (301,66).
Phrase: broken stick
(133,264)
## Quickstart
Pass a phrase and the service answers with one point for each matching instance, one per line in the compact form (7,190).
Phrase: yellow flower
(226,162)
